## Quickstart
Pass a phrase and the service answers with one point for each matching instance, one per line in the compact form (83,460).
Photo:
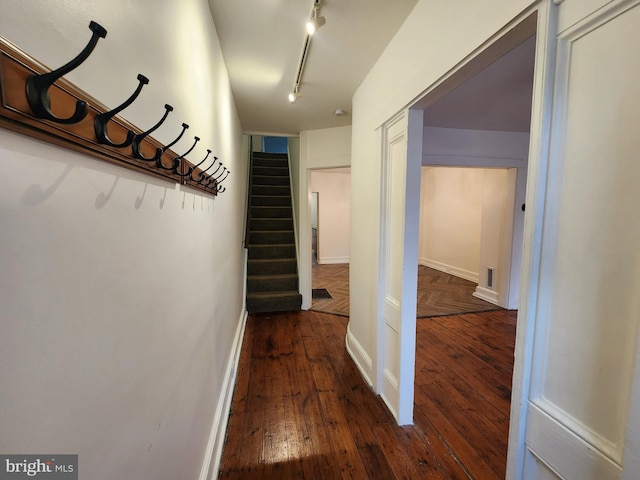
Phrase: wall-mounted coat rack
(37,101)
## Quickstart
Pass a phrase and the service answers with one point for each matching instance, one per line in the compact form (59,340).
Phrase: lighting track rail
(315,22)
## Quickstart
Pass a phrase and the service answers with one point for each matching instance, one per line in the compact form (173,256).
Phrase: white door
(401,163)
(576,410)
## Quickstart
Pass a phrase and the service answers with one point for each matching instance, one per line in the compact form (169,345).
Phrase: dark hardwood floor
(438,293)
(302,411)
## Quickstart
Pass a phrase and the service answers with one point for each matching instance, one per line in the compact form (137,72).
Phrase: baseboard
(487,295)
(359,356)
(455,271)
(213,454)
(330,260)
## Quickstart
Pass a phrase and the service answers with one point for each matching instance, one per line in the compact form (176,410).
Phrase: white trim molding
(450,269)
(359,356)
(213,453)
(487,295)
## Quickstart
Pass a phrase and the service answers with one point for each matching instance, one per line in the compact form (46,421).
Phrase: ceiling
(496,98)
(262,42)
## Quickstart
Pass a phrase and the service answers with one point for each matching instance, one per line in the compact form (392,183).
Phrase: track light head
(293,96)
(315,22)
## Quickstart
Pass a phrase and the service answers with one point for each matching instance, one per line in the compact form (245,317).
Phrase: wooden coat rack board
(93,129)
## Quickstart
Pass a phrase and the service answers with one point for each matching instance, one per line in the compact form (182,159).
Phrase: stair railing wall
(248,200)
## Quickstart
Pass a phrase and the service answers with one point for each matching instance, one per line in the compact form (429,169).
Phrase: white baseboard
(456,271)
(487,295)
(359,356)
(328,260)
(213,454)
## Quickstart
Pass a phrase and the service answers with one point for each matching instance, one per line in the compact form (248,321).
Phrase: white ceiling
(497,98)
(262,41)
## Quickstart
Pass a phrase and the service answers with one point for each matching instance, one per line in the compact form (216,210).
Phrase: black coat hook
(222,173)
(192,168)
(211,179)
(176,161)
(224,178)
(38,85)
(216,170)
(135,145)
(169,145)
(218,182)
(101,120)
(203,173)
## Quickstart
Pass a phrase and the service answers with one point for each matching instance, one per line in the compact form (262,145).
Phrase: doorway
(330,203)
(472,119)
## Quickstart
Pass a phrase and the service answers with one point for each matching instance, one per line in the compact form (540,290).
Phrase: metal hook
(192,168)
(102,119)
(201,177)
(135,145)
(211,179)
(223,170)
(177,160)
(224,178)
(168,146)
(38,85)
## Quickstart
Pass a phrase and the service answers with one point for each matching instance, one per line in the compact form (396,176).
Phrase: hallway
(302,410)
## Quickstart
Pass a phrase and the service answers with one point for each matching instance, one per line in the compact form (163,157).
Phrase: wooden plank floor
(302,411)
(438,293)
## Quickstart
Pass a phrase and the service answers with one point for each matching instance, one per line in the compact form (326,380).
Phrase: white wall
(464,224)
(450,220)
(325,148)
(334,208)
(122,294)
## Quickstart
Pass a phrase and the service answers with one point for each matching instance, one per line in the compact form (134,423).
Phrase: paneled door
(401,162)
(582,398)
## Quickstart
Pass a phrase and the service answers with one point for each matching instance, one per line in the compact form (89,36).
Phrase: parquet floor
(438,293)
(302,411)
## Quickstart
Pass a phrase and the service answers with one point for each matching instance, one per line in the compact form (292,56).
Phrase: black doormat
(318,293)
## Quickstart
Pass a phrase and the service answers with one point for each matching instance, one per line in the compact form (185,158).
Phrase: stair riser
(258,305)
(266,238)
(272,251)
(270,200)
(269,180)
(271,212)
(269,190)
(260,224)
(271,171)
(275,267)
(270,162)
(270,284)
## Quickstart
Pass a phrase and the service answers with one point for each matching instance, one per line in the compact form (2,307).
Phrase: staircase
(272,271)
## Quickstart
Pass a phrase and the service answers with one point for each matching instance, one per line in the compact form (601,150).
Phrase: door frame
(539,19)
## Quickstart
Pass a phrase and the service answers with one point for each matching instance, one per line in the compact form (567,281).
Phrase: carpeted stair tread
(271,171)
(272,268)
(271,211)
(271,283)
(271,200)
(265,224)
(276,180)
(274,251)
(277,190)
(262,237)
(274,301)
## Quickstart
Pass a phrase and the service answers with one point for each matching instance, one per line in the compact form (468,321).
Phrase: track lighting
(315,22)
(293,96)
